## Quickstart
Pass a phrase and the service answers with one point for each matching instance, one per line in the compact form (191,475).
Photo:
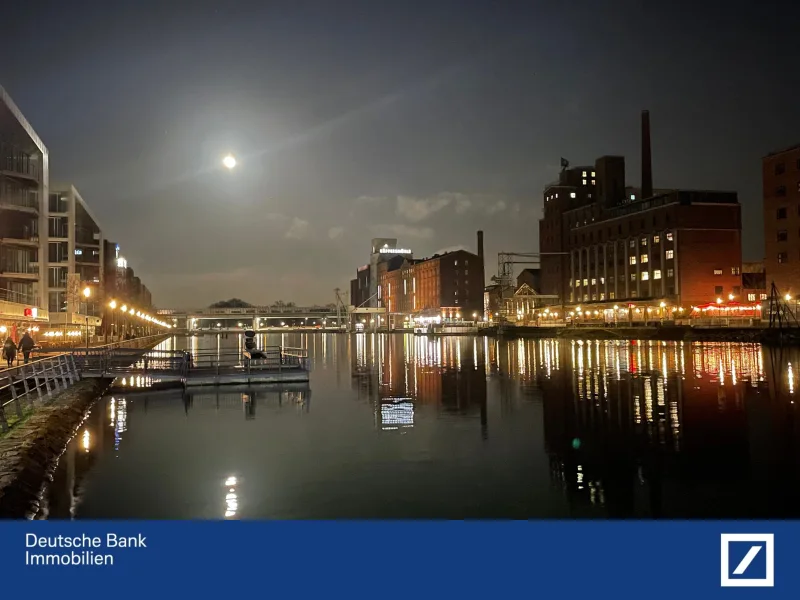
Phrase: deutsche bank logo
(748,559)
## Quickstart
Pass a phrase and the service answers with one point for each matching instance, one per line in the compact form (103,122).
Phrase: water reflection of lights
(790,375)
(136,382)
(86,440)
(231,497)
(396,413)
(118,410)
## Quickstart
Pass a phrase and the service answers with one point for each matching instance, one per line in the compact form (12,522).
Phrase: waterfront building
(781,193)
(605,244)
(446,286)
(23,184)
(52,247)
(74,260)
(364,288)
(754,282)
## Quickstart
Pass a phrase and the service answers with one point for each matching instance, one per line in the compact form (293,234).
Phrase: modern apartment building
(604,243)
(23,184)
(781,181)
(51,245)
(74,259)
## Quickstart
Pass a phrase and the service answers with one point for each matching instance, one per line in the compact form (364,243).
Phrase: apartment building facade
(24,179)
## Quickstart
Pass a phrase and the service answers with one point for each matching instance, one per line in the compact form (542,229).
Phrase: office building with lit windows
(605,244)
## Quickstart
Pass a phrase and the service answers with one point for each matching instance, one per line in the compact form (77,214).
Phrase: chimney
(480,244)
(647,166)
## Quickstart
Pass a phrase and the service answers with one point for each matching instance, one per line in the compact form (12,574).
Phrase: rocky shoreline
(30,452)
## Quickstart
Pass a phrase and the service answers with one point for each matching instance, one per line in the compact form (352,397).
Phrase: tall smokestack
(647,165)
(480,244)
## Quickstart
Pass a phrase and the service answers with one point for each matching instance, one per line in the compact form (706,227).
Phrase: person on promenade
(9,351)
(26,344)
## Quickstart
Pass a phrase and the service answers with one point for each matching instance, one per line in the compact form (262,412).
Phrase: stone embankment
(30,451)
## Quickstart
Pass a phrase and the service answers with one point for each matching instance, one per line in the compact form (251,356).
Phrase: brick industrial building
(604,243)
(448,285)
(781,180)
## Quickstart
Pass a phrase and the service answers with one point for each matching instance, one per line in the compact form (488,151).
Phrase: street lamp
(87,292)
(112,305)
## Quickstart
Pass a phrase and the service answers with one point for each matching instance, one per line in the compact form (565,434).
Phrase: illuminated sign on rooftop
(395,251)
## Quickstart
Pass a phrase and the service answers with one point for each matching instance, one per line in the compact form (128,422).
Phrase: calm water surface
(400,426)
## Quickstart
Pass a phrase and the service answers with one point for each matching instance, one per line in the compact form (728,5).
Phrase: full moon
(229,161)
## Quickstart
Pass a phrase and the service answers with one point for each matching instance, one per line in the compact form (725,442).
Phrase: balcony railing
(16,297)
(16,196)
(11,266)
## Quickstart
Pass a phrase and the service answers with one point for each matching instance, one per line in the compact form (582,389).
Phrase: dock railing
(26,387)
(269,358)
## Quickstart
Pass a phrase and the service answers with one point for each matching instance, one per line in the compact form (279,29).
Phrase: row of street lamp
(129,310)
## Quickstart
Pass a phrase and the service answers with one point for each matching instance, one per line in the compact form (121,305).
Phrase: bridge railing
(26,387)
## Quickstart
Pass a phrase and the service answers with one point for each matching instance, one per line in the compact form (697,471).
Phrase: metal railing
(121,361)
(24,388)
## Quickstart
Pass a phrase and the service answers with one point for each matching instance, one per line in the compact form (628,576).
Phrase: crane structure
(505,273)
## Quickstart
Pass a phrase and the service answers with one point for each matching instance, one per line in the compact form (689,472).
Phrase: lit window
(414,284)
(592,173)
(670,254)
(751,297)
(717,271)
(455,262)
(643,258)
(572,194)
(645,275)
(594,281)
(670,272)
(632,244)
(633,276)
(783,257)
(592,181)
(633,197)
(602,296)
(611,295)
(632,260)
(585,282)
(763,296)
(405,286)
(669,237)
(602,280)
(657,274)
(644,241)
(656,239)
(584,182)
(577,283)
(736,271)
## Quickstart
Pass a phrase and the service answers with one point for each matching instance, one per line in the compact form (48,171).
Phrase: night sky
(423,121)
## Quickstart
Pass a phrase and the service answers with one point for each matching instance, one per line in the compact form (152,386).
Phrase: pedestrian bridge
(252,312)
(277,364)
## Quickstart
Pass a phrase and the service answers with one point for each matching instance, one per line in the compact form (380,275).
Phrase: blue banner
(367,559)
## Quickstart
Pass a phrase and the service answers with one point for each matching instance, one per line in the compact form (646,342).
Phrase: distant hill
(232,303)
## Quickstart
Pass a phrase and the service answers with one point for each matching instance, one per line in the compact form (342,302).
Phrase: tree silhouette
(232,303)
